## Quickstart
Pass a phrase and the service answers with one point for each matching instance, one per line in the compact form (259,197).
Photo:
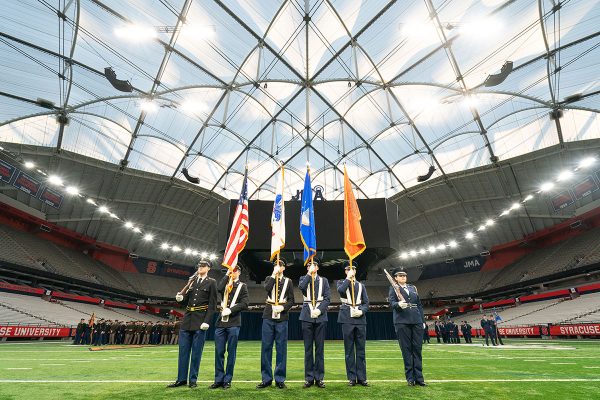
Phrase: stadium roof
(389,88)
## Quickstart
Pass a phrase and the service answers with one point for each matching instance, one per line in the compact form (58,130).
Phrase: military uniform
(409,324)
(313,329)
(354,329)
(275,331)
(129,331)
(488,331)
(438,331)
(175,336)
(228,329)
(201,304)
(79,333)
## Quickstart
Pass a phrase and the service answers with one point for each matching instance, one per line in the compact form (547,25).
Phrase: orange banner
(354,241)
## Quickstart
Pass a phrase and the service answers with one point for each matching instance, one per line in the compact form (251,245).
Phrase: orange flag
(354,242)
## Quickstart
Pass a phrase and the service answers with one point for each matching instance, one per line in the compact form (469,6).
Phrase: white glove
(204,326)
(312,269)
(179,297)
(276,270)
(356,313)
(277,309)
(226,312)
(402,304)
(315,313)
(424,325)
(350,274)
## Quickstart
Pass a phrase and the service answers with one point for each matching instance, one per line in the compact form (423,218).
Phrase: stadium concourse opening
(299,199)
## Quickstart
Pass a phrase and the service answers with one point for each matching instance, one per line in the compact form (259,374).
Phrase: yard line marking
(302,381)
(563,363)
(591,367)
(18,368)
(53,364)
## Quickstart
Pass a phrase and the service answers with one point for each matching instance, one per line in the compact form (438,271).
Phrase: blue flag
(307,221)
(497,316)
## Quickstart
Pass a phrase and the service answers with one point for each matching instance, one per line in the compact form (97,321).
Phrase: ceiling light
(565,175)
(586,162)
(72,190)
(113,215)
(489,222)
(546,186)
(515,206)
(481,228)
(136,32)
(505,212)
(469,235)
(213,256)
(413,253)
(164,246)
(404,255)
(432,249)
(422,251)
(29,164)
(91,201)
(176,249)
(103,209)
(453,244)
(194,252)
(41,172)
(188,251)
(55,180)
(529,197)
(204,254)
(128,224)
(148,237)
(137,230)
(441,246)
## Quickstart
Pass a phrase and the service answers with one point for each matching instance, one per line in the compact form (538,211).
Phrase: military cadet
(280,298)
(352,316)
(121,332)
(147,332)
(426,335)
(96,332)
(113,332)
(455,336)
(79,332)
(137,332)
(313,316)
(129,329)
(409,323)
(200,299)
(234,294)
(488,331)
(164,333)
(175,335)
(438,331)
(494,328)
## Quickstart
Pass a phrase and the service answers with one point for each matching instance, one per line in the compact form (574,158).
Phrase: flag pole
(277,283)
(352,283)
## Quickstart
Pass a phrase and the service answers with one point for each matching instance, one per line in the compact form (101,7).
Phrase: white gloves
(355,313)
(204,326)
(315,313)
(179,297)
(424,325)
(402,304)
(276,270)
(350,274)
(226,312)
(312,269)
(277,309)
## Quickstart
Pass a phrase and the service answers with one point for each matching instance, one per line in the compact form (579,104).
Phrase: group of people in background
(447,331)
(115,332)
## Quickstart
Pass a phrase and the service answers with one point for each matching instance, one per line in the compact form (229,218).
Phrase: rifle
(394,285)
(189,282)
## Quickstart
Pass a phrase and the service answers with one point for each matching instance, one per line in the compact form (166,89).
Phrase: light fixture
(489,222)
(515,206)
(187,251)
(565,175)
(404,255)
(481,228)
(194,253)
(441,246)
(453,244)
(176,249)
(469,235)
(103,209)
(413,253)
(72,190)
(137,230)
(422,251)
(204,254)
(55,180)
(148,237)
(546,186)
(29,165)
(505,212)
(586,162)
(129,224)
(164,246)
(113,215)
(91,201)
(529,197)
(432,249)
(213,256)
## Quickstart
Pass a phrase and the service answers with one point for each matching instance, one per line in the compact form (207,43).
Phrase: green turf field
(521,370)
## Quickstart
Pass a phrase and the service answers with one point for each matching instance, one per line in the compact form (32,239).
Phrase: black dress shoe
(215,385)
(320,384)
(307,384)
(411,383)
(193,385)
(351,383)
(263,385)
(421,383)
(227,385)
(177,384)
(280,385)
(363,383)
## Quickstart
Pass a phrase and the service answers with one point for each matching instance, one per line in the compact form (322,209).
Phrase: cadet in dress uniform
(409,323)
(200,300)
(79,332)
(352,316)
(315,290)
(488,330)
(438,331)
(234,301)
(280,298)
(175,337)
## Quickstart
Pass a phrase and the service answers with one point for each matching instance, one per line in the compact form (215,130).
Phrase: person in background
(80,332)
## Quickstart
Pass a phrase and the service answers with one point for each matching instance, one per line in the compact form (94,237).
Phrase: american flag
(239,229)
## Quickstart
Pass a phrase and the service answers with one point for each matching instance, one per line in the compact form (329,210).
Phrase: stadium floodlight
(586,162)
(404,255)
(505,212)
(453,244)
(176,249)
(469,235)
(489,222)
(529,197)
(103,209)
(546,186)
(564,176)
(148,237)
(137,230)
(212,257)
(164,246)
(204,254)
(29,165)
(515,206)
(41,172)
(72,190)
(194,253)
(413,253)
(481,228)
(422,251)
(129,224)
(187,251)
(55,180)
(91,201)
(441,246)
(432,249)
(113,215)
